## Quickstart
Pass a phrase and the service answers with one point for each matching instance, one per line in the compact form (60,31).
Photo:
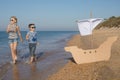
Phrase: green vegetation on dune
(109,23)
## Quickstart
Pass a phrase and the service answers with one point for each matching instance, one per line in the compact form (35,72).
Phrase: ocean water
(48,40)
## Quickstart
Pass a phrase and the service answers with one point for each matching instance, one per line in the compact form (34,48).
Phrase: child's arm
(27,37)
(19,33)
(7,30)
(38,43)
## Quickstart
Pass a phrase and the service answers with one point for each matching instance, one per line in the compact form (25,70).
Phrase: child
(31,37)
(12,30)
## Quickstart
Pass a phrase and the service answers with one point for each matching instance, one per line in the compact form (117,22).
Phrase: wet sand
(103,70)
(46,65)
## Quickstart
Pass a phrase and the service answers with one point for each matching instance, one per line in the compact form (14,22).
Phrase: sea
(49,41)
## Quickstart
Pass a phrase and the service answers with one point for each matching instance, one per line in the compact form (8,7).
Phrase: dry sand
(103,70)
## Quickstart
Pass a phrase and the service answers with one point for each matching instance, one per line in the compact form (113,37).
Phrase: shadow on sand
(71,59)
(27,55)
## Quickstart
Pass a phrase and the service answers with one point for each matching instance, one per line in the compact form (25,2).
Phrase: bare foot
(31,59)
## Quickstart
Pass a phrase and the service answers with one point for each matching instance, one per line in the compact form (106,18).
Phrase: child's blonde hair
(14,18)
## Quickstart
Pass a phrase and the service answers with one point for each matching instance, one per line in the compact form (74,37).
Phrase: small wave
(64,39)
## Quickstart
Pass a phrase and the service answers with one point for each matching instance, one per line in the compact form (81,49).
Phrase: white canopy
(86,26)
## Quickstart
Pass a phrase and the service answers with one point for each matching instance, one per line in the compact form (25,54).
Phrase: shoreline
(49,62)
(103,70)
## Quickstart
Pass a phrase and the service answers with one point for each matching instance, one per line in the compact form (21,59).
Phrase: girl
(12,30)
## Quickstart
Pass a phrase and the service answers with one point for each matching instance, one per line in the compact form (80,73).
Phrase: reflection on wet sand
(19,72)
(33,69)
(16,74)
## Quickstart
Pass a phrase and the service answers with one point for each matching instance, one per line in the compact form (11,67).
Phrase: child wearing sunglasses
(13,31)
(31,37)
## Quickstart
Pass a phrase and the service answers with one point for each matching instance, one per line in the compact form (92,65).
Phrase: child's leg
(31,59)
(12,52)
(32,52)
(30,48)
(15,50)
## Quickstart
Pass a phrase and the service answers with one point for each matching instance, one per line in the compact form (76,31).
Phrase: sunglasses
(33,27)
(11,20)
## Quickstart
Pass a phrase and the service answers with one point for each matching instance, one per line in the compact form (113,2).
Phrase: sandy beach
(103,70)
(59,65)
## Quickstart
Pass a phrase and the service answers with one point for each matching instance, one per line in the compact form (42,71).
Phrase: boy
(31,37)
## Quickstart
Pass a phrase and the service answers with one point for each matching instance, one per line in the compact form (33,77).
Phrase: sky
(55,15)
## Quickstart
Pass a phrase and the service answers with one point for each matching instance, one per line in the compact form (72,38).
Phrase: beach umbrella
(86,26)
